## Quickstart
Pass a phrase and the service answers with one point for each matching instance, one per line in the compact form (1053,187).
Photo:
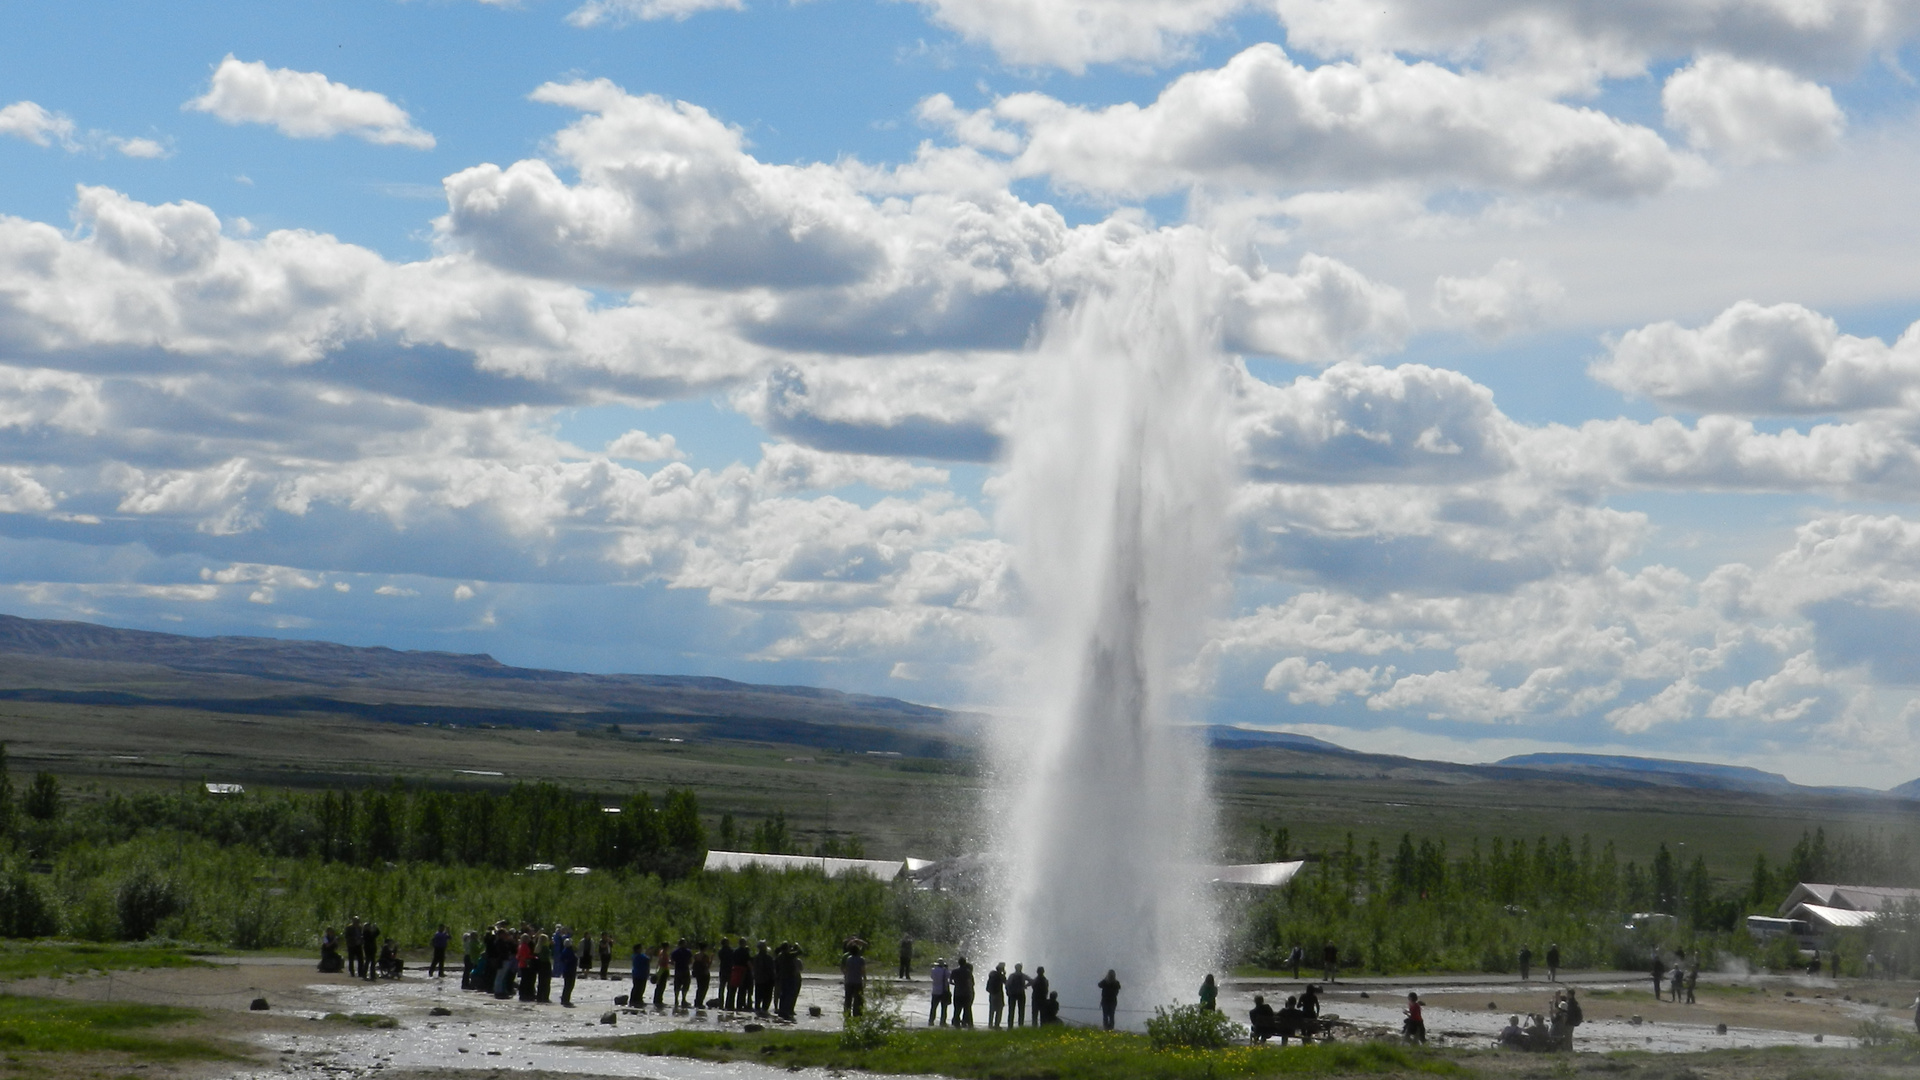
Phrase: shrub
(24,910)
(874,1028)
(1190,1027)
(1875,1032)
(142,901)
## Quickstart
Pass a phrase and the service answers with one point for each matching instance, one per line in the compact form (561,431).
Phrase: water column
(1118,482)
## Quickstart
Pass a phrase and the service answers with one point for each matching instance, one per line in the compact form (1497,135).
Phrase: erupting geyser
(1118,483)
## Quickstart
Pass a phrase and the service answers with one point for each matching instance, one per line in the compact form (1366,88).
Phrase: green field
(33,1025)
(900,806)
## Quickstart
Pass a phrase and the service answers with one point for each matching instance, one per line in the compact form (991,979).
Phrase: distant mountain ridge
(1703,774)
(90,664)
(86,663)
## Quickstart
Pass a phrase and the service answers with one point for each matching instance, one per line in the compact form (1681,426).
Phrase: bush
(144,899)
(874,1028)
(1190,1027)
(24,910)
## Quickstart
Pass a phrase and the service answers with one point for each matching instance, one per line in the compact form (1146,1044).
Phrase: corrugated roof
(1850,897)
(1267,875)
(1832,918)
(884,869)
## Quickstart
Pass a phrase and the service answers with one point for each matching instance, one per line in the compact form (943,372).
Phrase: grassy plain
(40,1036)
(1078,1054)
(1037,1054)
(907,805)
(52,959)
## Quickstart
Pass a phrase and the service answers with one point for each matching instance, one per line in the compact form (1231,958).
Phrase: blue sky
(1572,405)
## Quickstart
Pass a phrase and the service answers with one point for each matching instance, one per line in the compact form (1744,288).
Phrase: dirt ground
(1773,1025)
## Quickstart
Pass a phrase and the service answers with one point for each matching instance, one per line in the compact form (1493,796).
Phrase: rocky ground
(305,1032)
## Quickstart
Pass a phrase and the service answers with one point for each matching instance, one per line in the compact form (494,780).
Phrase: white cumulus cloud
(616,12)
(1746,112)
(305,105)
(1764,360)
(28,120)
(637,445)
(1264,122)
(1506,299)
(1072,34)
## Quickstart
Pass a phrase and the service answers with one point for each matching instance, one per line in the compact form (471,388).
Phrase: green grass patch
(47,1025)
(1036,1054)
(31,959)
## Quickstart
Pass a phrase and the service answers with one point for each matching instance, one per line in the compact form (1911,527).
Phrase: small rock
(813,1010)
(439,1010)
(1493,1005)
(1635,1020)
(493,1053)
(1363,993)
(609,1017)
(464,1050)
(258,1005)
(751,1028)
(1819,1038)
(619,999)
(1720,1029)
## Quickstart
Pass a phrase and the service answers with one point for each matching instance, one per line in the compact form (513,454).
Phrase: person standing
(1574,1017)
(723,970)
(787,969)
(568,962)
(1693,979)
(853,978)
(543,969)
(437,967)
(1209,994)
(356,948)
(641,975)
(1330,959)
(702,974)
(682,960)
(906,956)
(606,952)
(369,949)
(584,954)
(1017,984)
(960,982)
(529,966)
(937,1005)
(469,959)
(1553,962)
(1659,975)
(507,970)
(662,971)
(1109,999)
(1294,958)
(1679,979)
(996,995)
(1037,990)
(1526,961)
(765,970)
